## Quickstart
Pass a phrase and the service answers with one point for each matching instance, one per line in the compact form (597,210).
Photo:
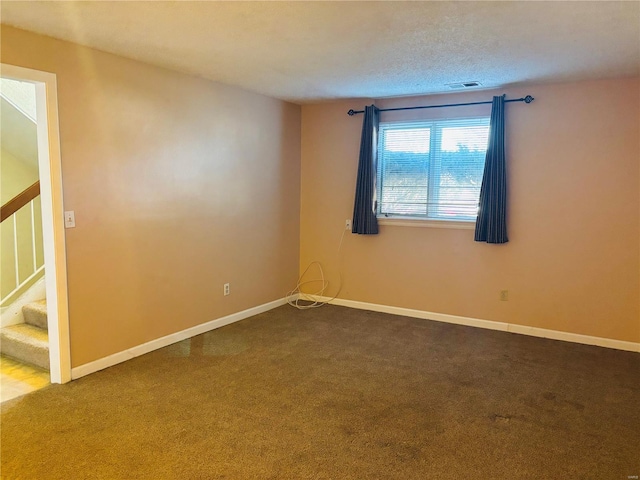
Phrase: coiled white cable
(296,295)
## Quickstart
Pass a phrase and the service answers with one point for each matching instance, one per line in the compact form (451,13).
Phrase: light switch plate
(69,219)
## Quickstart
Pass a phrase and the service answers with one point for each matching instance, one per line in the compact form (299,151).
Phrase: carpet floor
(337,393)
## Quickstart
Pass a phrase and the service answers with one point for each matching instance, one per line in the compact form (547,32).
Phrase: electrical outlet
(347,224)
(226,289)
(504,295)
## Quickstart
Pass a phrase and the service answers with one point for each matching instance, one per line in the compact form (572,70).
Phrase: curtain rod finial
(528,99)
(351,112)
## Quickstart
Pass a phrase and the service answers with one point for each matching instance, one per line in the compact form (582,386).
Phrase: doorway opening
(33,227)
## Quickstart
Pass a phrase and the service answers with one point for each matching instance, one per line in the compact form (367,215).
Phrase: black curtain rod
(527,99)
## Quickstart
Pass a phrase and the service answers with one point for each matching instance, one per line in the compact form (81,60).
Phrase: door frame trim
(53,232)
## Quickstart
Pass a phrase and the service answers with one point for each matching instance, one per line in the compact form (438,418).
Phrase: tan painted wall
(15,175)
(572,263)
(178,185)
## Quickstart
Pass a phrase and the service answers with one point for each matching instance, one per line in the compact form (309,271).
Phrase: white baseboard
(138,350)
(489,324)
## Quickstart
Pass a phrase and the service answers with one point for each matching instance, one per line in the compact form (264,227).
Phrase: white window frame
(436,126)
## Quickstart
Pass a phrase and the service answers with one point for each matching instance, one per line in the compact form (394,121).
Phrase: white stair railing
(23,246)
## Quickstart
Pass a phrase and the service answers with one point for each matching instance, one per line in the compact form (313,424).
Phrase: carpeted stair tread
(35,313)
(26,343)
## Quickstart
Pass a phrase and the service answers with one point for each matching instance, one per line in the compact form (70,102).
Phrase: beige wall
(572,263)
(178,185)
(15,175)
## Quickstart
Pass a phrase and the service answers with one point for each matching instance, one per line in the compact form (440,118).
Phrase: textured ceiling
(310,51)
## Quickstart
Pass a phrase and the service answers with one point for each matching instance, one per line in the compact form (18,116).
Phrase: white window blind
(431,170)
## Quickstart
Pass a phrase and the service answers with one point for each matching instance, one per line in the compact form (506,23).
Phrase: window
(431,170)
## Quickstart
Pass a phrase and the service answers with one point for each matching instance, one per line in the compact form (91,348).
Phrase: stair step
(26,343)
(35,313)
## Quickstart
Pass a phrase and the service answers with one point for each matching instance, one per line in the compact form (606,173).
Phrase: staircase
(28,342)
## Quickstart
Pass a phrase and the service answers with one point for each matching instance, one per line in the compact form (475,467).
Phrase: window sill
(428,223)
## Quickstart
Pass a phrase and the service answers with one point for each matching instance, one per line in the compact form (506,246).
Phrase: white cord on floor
(296,295)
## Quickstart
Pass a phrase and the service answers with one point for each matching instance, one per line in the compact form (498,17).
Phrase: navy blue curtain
(491,225)
(364,208)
